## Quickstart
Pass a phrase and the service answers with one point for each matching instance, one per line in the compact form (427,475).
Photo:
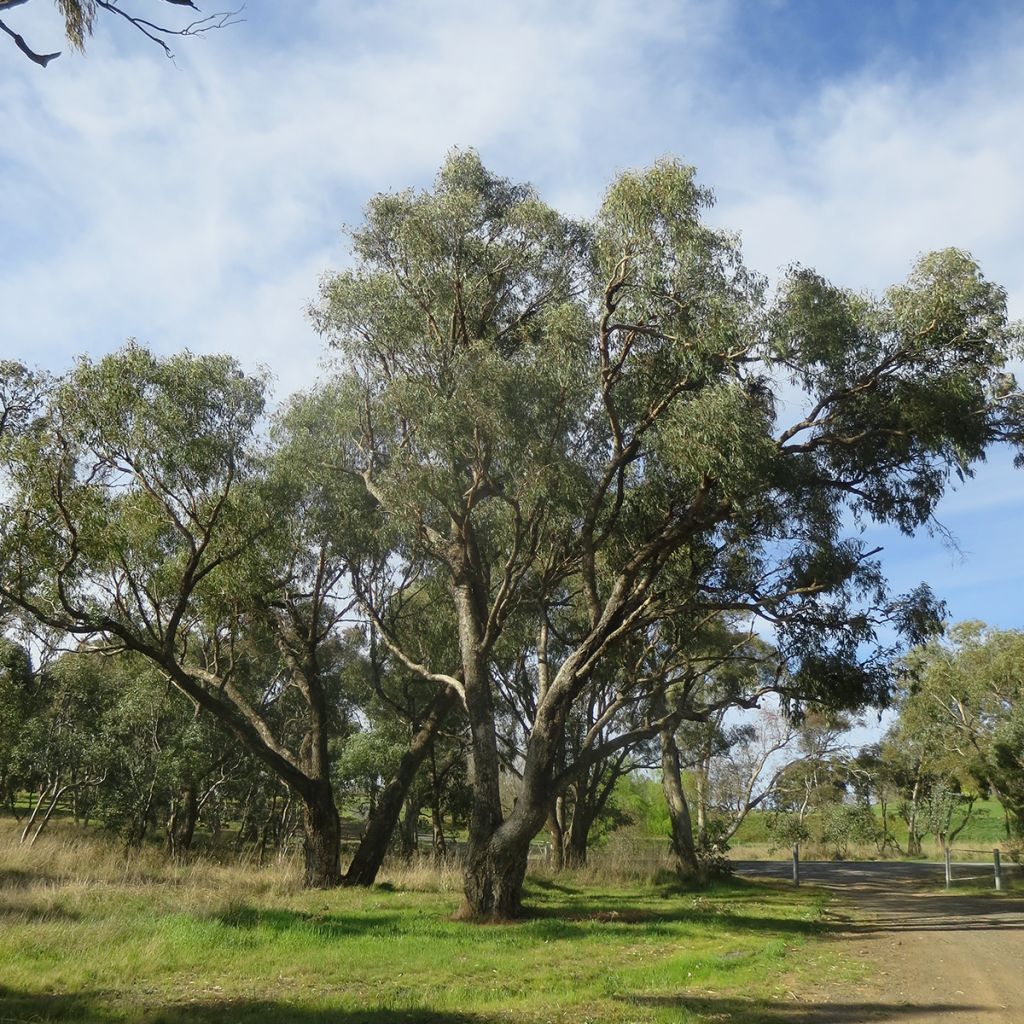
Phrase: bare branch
(42,59)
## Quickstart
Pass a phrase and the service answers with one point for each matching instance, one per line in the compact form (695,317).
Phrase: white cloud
(199,206)
(869,173)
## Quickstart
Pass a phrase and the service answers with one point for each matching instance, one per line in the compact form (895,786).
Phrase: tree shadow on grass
(334,927)
(572,918)
(744,1011)
(15,913)
(19,878)
(17,1007)
(92,1008)
(550,885)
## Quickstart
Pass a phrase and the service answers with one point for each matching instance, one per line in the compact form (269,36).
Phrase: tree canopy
(549,482)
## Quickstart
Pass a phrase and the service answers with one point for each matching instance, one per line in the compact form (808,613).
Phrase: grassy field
(87,935)
(984,831)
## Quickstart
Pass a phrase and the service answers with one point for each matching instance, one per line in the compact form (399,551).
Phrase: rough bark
(491,867)
(322,843)
(181,825)
(684,854)
(495,871)
(496,868)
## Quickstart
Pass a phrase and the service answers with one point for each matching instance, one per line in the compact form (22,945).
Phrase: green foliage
(535,425)
(16,704)
(785,829)
(962,708)
(713,851)
(843,824)
(642,801)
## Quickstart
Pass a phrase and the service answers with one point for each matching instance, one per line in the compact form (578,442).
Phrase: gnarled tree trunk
(322,843)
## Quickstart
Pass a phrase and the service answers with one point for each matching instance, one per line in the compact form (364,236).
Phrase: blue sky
(197,203)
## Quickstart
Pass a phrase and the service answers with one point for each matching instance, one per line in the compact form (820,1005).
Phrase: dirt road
(952,958)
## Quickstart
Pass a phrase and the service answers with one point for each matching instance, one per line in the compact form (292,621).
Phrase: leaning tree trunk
(322,844)
(381,824)
(684,855)
(409,832)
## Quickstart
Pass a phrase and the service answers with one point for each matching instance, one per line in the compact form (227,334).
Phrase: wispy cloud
(197,204)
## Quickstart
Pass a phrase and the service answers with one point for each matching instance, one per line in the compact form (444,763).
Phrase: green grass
(209,943)
(983,832)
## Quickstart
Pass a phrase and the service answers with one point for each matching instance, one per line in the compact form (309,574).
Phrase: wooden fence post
(949,868)
(998,869)
(796,863)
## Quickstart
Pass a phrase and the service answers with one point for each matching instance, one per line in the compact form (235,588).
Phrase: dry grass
(66,859)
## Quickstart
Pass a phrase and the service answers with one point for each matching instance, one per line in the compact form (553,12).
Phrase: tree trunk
(322,845)
(439,846)
(496,868)
(684,855)
(913,836)
(556,833)
(494,876)
(182,826)
(410,829)
(381,824)
(579,828)
(34,812)
(700,786)
(491,890)
(243,824)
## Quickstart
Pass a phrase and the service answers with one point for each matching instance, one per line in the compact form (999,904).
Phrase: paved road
(945,957)
(877,874)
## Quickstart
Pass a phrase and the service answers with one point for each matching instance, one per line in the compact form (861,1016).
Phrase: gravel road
(934,956)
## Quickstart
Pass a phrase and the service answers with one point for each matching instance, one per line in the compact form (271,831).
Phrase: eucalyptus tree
(64,749)
(962,702)
(16,686)
(546,411)
(711,673)
(142,514)
(359,535)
